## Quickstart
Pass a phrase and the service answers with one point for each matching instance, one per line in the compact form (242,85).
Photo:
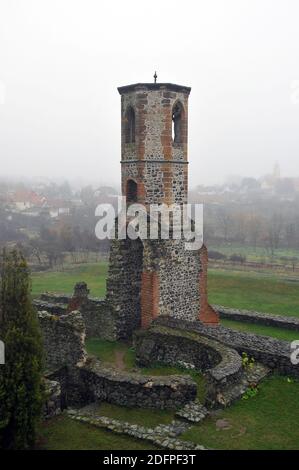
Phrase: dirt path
(119,360)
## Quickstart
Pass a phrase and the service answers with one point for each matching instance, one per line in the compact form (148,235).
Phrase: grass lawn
(94,274)
(62,433)
(279,333)
(110,351)
(251,291)
(258,254)
(141,416)
(267,421)
(254,291)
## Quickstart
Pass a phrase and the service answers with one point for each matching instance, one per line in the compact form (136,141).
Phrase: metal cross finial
(155,77)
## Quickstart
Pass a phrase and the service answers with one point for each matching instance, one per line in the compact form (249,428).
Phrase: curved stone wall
(222,366)
(135,390)
(273,353)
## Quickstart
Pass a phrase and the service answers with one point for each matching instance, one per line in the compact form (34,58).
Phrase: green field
(252,291)
(267,421)
(257,254)
(279,333)
(94,274)
(62,433)
(141,416)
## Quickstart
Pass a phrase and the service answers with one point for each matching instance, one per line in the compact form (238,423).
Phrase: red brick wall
(207,314)
(149,297)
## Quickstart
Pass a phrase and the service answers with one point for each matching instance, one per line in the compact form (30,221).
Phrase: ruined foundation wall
(221,366)
(134,390)
(63,339)
(259,318)
(273,353)
(96,313)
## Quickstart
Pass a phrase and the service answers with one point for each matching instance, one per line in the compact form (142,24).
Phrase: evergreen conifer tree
(21,375)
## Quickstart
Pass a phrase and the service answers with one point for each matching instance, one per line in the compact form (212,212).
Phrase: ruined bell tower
(147,277)
(154,150)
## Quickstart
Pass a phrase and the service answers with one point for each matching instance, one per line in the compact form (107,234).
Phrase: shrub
(247,362)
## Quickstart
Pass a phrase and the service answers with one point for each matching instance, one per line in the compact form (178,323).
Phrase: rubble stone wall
(273,353)
(129,389)
(290,323)
(63,338)
(221,366)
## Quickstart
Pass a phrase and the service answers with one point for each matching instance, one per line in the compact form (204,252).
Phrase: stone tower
(148,278)
(154,142)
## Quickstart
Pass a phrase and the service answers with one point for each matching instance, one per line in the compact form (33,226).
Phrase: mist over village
(246,219)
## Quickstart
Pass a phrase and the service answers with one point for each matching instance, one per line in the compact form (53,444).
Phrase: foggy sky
(62,60)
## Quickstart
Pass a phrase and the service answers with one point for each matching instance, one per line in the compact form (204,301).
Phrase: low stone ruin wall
(96,313)
(98,318)
(291,323)
(55,298)
(55,309)
(134,390)
(63,338)
(221,365)
(73,379)
(274,353)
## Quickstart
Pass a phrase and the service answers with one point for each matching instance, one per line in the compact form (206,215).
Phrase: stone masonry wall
(73,379)
(132,390)
(179,272)
(99,319)
(222,366)
(124,285)
(154,277)
(149,278)
(290,323)
(96,313)
(63,339)
(273,353)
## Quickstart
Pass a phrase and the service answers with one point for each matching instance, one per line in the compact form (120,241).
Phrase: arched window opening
(131,191)
(177,112)
(130,126)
